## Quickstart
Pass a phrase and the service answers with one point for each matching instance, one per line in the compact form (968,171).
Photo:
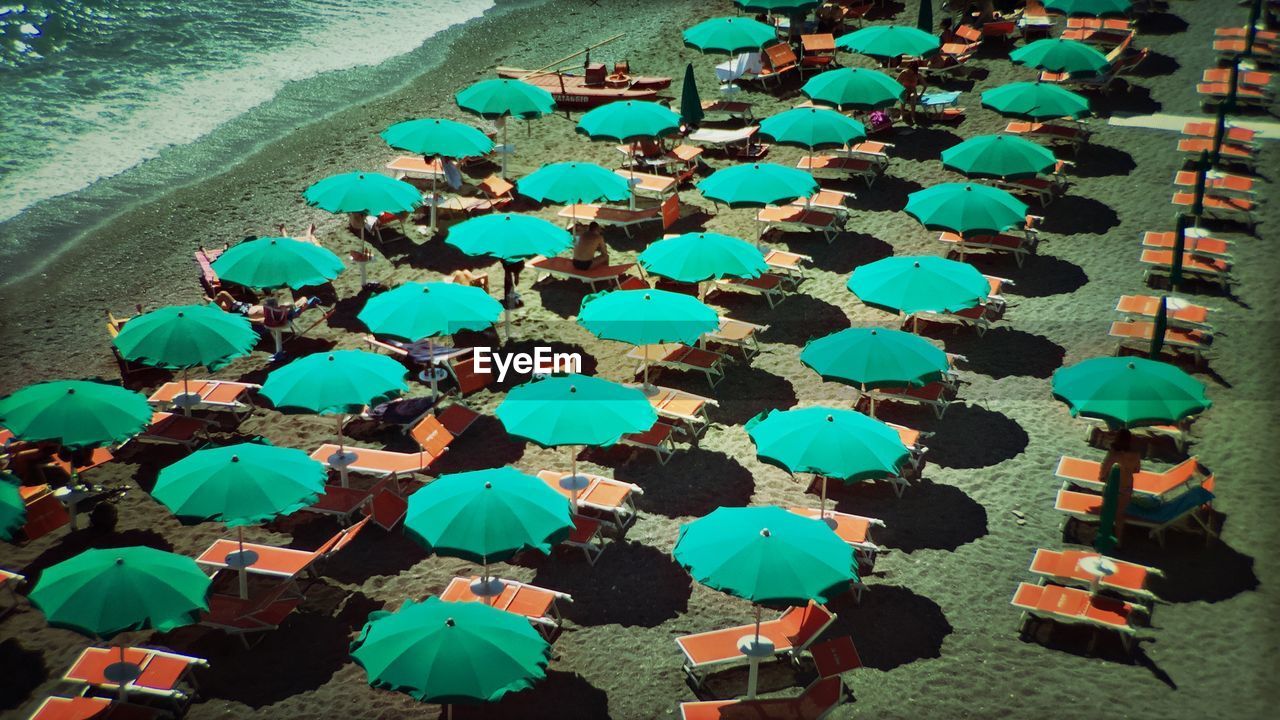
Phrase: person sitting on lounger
(590,251)
(1129,461)
(257,313)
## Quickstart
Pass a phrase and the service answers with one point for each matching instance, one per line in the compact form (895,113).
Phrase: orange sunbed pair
(1149,305)
(1063,567)
(1161,485)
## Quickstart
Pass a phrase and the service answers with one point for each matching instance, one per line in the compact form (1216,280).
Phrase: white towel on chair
(739,66)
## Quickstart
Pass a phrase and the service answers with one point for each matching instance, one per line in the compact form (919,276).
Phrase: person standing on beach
(1122,455)
(510,281)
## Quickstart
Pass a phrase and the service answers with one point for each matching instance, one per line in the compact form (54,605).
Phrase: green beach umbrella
(1158,328)
(364,193)
(999,156)
(1035,101)
(757,185)
(572,410)
(573,182)
(919,283)
(450,652)
(1106,539)
(1062,56)
(75,413)
(924,21)
(647,317)
(1129,392)
(812,128)
(339,382)
(698,257)
(966,208)
(1219,132)
(1179,249)
(501,98)
(853,89)
(890,41)
(1251,27)
(268,263)
(101,593)
(418,311)
(437,137)
(488,516)
(1089,8)
(729,35)
(871,358)
(13,509)
(629,121)
(769,556)
(509,236)
(690,103)
(830,443)
(1202,176)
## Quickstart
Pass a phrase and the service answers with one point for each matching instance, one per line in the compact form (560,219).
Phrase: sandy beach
(934,628)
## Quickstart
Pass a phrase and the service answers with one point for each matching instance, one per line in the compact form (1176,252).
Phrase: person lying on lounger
(257,313)
(590,251)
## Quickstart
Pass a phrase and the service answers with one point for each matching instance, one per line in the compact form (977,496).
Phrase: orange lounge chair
(611,498)
(1189,511)
(1231,152)
(378,463)
(1098,434)
(722,110)
(44,512)
(1244,78)
(816,703)
(537,605)
(834,201)
(586,536)
(1155,486)
(1103,38)
(648,183)
(1043,189)
(657,439)
(1076,607)
(1035,20)
(853,529)
(94,708)
(1093,23)
(10,582)
(818,51)
(685,410)
(561,268)
(416,167)
(740,143)
(1243,32)
(219,395)
(677,356)
(1237,209)
(1137,334)
(1219,183)
(791,634)
(912,439)
(1246,96)
(345,503)
(1018,246)
(836,167)
(978,317)
(463,371)
(281,562)
(1243,136)
(776,61)
(773,288)
(1194,243)
(1178,311)
(936,395)
(1074,135)
(736,334)
(1264,53)
(1160,263)
(173,429)
(795,218)
(1062,567)
(626,218)
(788,265)
(163,674)
(871,150)
(270,601)
(496,193)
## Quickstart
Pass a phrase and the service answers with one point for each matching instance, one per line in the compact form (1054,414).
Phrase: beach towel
(727,72)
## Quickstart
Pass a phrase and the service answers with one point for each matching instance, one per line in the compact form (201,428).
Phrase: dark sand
(935,628)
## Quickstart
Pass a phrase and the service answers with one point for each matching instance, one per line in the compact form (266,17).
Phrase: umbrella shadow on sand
(24,672)
(928,516)
(888,195)
(1103,161)
(632,585)
(846,252)
(1005,352)
(794,321)
(1193,570)
(925,143)
(971,436)
(560,695)
(892,626)
(1074,214)
(744,392)
(1042,276)
(693,483)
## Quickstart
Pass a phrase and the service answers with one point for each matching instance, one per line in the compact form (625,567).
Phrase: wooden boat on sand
(594,85)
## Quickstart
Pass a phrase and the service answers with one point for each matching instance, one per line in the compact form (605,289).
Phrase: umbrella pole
(124,691)
(506,149)
(431,370)
(340,459)
(822,513)
(362,261)
(244,570)
(573,477)
(433,199)
(753,674)
(186,394)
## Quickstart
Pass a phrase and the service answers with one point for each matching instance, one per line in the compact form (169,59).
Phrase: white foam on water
(94,140)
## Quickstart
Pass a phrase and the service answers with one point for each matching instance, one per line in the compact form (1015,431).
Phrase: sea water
(90,89)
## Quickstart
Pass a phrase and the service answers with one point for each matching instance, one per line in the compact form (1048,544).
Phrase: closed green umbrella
(1219,133)
(501,98)
(268,263)
(1089,8)
(999,156)
(890,41)
(1106,539)
(766,555)
(966,208)
(450,652)
(729,35)
(910,284)
(13,509)
(1202,175)
(827,442)
(853,89)
(698,257)
(690,103)
(629,121)
(1035,101)
(180,337)
(1062,56)
(924,21)
(238,485)
(436,137)
(870,358)
(647,317)
(488,516)
(1129,392)
(1158,328)
(572,410)
(338,383)
(75,413)
(101,593)
(1251,27)
(360,193)
(812,128)
(757,185)
(1179,249)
